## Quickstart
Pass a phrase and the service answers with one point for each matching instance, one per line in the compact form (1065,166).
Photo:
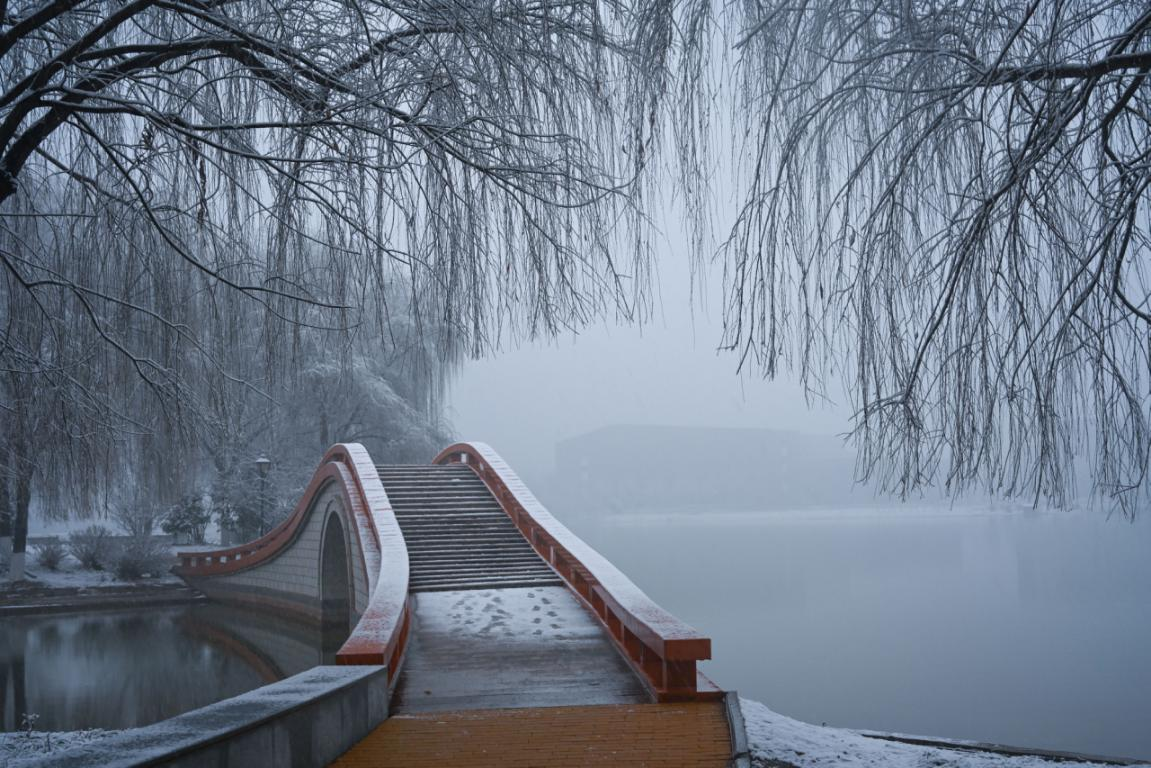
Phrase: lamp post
(263,464)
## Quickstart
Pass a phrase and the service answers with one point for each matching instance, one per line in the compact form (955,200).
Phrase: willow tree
(160,158)
(946,208)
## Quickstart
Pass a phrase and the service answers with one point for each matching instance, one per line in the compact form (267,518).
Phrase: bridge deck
(509,641)
(525,647)
(627,736)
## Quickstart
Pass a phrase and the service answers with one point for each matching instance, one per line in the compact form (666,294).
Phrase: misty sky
(522,400)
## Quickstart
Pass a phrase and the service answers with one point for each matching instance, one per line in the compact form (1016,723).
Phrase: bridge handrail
(211,562)
(660,646)
(380,636)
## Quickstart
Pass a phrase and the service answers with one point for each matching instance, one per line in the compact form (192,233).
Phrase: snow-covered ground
(774,737)
(16,748)
(70,574)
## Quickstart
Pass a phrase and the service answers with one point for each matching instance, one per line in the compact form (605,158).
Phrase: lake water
(1026,628)
(120,669)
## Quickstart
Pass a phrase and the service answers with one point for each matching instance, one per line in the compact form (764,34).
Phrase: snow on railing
(380,636)
(660,647)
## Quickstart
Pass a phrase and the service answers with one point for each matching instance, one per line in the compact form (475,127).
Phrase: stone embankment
(20,598)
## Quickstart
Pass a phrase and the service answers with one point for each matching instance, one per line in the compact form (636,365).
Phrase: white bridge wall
(291,580)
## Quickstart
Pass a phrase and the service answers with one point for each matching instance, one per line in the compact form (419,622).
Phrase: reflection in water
(1028,628)
(120,669)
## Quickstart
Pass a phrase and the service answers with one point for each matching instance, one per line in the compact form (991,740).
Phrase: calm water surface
(1028,628)
(120,669)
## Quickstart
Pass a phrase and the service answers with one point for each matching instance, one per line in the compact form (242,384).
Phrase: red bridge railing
(380,636)
(660,647)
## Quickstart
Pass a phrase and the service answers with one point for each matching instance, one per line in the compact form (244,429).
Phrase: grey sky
(522,400)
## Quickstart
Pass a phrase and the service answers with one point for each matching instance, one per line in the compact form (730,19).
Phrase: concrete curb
(154,598)
(305,721)
(740,752)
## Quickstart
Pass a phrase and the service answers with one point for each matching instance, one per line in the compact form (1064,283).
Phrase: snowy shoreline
(37,599)
(777,741)
(20,746)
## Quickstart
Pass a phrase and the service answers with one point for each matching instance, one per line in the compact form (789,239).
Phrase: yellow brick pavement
(691,735)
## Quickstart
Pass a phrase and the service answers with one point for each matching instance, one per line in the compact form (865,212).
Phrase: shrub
(136,521)
(187,521)
(50,554)
(92,546)
(141,556)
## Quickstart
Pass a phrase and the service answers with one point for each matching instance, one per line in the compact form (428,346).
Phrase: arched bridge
(503,634)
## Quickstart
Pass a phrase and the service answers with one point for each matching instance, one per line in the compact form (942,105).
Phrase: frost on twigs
(30,744)
(228,228)
(945,209)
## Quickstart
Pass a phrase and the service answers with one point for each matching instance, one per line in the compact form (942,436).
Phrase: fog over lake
(1027,628)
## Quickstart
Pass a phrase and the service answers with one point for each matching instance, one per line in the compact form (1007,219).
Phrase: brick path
(622,735)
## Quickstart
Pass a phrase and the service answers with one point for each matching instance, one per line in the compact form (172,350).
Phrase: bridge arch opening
(335,588)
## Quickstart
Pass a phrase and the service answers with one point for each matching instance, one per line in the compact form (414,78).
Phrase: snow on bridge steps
(282,569)
(661,648)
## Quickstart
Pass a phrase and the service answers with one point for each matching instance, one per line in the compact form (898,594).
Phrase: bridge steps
(458,537)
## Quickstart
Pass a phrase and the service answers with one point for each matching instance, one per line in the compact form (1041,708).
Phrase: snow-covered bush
(92,546)
(137,521)
(50,554)
(242,506)
(187,521)
(142,556)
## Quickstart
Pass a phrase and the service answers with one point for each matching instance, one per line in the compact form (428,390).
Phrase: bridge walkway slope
(516,647)
(506,665)
(493,624)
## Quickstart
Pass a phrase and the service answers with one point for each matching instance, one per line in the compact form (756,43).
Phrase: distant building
(644,467)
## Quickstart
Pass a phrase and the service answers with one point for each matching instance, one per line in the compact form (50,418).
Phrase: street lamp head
(263,464)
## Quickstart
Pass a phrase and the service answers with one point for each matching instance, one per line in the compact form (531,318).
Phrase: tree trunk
(4,696)
(5,525)
(20,524)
